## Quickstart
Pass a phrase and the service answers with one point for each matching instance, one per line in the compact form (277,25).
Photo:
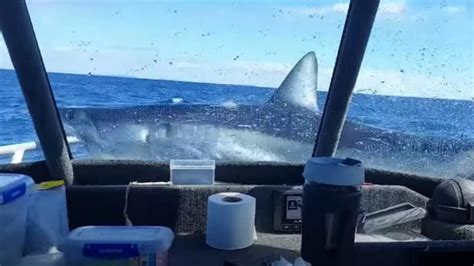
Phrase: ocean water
(451,119)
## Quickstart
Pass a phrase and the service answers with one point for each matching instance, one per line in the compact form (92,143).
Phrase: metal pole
(24,52)
(359,22)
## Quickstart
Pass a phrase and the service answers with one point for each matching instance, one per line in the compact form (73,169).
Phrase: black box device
(287,205)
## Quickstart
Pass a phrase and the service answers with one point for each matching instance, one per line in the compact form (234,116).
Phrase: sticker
(293,207)
(110,251)
(13,193)
(119,254)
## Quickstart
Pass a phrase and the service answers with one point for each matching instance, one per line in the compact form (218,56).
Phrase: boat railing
(18,150)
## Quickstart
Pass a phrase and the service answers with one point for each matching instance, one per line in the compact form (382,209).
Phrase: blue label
(13,193)
(111,251)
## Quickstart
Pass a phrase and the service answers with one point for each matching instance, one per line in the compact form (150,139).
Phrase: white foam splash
(177,100)
(229,104)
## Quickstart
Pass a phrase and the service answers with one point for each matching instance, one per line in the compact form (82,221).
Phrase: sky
(421,48)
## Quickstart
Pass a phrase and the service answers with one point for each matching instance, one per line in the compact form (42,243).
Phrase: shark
(282,129)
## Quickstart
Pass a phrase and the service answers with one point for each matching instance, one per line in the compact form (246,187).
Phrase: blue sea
(420,116)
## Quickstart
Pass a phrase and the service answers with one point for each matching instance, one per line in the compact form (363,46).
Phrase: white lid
(193,164)
(334,171)
(14,186)
(146,238)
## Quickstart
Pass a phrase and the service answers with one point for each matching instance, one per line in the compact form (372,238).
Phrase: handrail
(18,150)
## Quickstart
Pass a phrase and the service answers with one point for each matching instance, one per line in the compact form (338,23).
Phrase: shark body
(283,129)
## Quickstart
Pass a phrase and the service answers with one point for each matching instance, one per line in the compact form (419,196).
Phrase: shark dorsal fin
(300,85)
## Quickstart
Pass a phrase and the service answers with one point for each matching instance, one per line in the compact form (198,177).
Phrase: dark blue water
(421,116)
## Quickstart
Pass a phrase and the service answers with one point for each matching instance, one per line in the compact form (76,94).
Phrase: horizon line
(242,85)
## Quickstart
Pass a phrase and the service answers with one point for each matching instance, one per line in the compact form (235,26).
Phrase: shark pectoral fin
(300,86)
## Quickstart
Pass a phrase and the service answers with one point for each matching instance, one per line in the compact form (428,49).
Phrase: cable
(128,222)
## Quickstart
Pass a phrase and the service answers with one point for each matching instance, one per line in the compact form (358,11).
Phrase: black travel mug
(331,206)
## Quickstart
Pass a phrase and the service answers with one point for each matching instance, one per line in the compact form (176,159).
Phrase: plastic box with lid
(118,245)
(14,192)
(192,172)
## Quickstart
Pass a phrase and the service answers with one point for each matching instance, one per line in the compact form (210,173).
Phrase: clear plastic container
(118,245)
(47,222)
(14,191)
(192,172)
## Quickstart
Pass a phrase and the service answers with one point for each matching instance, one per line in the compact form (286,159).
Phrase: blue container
(14,192)
(118,246)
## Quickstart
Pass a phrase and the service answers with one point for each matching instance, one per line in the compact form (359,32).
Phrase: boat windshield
(18,141)
(416,91)
(247,80)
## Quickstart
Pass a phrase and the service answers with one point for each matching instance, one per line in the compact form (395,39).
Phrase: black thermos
(331,206)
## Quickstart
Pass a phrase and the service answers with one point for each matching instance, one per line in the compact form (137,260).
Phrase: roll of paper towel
(230,220)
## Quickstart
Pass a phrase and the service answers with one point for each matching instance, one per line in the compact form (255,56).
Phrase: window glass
(186,79)
(18,140)
(415,91)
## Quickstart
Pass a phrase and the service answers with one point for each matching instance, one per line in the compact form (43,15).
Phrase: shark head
(299,88)
(77,120)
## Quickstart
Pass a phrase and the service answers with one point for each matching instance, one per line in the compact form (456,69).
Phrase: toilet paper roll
(230,220)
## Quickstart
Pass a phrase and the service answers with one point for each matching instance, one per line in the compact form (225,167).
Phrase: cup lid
(334,171)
